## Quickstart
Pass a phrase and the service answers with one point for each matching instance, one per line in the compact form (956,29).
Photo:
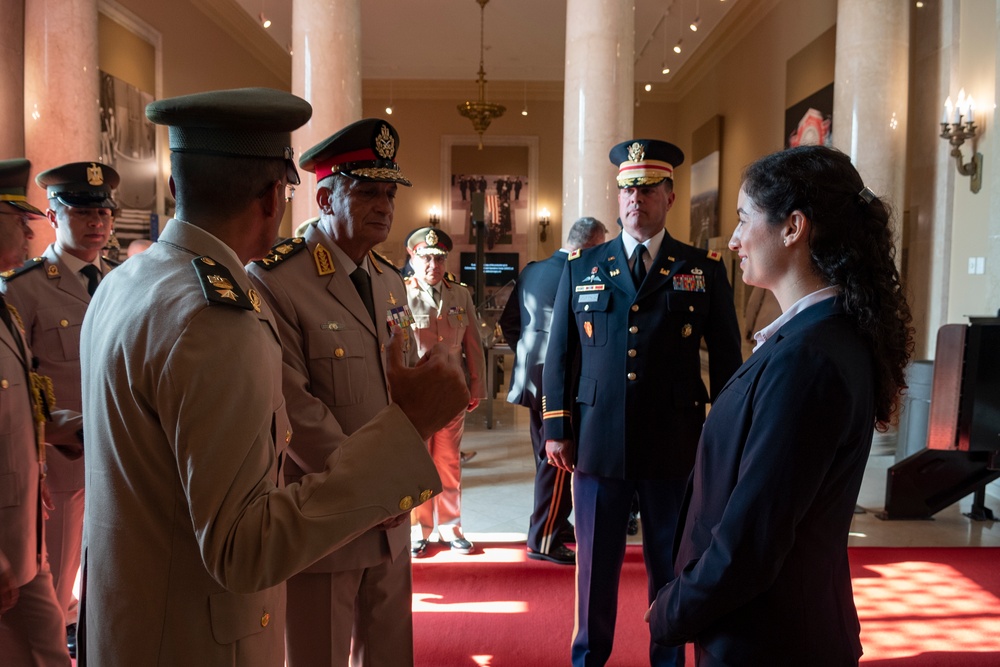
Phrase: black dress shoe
(633,523)
(561,554)
(418,549)
(461,546)
(71,639)
(567,535)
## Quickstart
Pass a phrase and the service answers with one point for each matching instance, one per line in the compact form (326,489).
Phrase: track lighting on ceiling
(388,109)
(264,21)
(694,24)
(524,109)
(677,46)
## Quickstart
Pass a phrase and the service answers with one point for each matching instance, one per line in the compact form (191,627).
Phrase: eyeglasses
(289,192)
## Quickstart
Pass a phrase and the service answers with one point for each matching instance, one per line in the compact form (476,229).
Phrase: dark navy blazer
(525,324)
(640,400)
(761,555)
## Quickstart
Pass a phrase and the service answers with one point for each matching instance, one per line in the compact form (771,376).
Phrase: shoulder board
(281,251)
(378,257)
(112,262)
(573,255)
(715,254)
(27,266)
(219,285)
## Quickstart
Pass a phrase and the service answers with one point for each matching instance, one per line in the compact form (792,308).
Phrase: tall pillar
(326,71)
(62,113)
(598,105)
(12,74)
(871,93)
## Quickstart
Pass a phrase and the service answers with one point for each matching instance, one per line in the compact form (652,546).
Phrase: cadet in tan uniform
(189,531)
(52,293)
(31,623)
(443,312)
(358,600)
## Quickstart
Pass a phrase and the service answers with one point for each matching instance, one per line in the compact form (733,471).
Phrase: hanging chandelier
(481,112)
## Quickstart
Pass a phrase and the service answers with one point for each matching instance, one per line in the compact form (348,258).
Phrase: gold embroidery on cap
(94,174)
(384,144)
(636,152)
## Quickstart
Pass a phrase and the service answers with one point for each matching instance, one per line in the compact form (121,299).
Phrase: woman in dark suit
(761,556)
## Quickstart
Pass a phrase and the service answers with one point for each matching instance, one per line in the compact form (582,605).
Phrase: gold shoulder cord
(43,398)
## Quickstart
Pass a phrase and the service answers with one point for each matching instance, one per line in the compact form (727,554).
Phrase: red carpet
(933,607)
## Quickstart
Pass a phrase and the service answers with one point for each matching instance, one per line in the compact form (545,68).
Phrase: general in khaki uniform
(32,631)
(443,312)
(190,531)
(358,599)
(634,311)
(52,293)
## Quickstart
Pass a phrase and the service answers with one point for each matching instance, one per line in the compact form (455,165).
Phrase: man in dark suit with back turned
(634,310)
(525,323)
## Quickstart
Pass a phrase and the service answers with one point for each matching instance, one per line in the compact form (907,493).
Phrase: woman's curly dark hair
(852,247)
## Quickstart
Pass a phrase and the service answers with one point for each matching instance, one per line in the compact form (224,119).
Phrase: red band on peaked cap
(326,167)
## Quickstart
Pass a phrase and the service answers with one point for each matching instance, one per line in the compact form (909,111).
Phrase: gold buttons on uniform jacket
(339,353)
(288,436)
(64,323)
(633,329)
(440,339)
(425,495)
(631,352)
(631,376)
(265,619)
(635,307)
(406,503)
(4,384)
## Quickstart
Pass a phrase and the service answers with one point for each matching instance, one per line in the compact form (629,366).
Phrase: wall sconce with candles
(434,216)
(543,222)
(956,133)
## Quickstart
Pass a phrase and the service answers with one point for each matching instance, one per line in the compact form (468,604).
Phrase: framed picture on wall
(706,161)
(810,122)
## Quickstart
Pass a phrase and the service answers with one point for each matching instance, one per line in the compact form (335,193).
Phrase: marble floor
(497,491)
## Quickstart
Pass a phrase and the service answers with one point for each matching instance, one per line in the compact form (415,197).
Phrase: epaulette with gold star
(27,266)
(220,286)
(378,257)
(281,251)
(573,255)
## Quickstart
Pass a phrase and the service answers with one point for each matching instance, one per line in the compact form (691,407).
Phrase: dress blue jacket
(761,554)
(639,404)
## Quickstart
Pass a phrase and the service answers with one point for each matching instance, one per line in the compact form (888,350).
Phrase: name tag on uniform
(588,298)
(595,287)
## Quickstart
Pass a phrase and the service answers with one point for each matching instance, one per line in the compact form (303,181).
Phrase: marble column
(62,115)
(12,74)
(326,71)
(871,92)
(598,105)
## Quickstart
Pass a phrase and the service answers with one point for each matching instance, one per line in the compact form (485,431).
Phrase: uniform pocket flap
(335,344)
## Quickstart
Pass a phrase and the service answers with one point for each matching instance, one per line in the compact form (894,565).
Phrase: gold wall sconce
(957,132)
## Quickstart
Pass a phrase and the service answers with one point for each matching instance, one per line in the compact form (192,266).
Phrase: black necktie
(363,283)
(638,266)
(93,277)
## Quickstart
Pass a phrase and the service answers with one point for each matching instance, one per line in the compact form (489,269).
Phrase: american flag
(493,206)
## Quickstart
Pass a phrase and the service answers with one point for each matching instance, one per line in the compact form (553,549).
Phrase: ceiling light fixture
(697,17)
(481,112)
(388,109)
(264,21)
(677,46)
(524,109)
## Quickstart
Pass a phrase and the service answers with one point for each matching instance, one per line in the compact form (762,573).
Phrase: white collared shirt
(75,264)
(652,246)
(796,308)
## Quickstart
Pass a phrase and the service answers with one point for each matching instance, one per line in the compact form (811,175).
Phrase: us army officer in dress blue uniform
(762,571)
(335,383)
(190,531)
(443,312)
(31,623)
(639,402)
(52,293)
(525,322)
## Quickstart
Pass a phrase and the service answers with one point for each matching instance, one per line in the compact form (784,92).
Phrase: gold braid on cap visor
(647,172)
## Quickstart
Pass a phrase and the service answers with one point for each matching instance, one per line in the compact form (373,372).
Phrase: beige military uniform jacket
(52,301)
(188,533)
(452,322)
(334,358)
(20,505)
